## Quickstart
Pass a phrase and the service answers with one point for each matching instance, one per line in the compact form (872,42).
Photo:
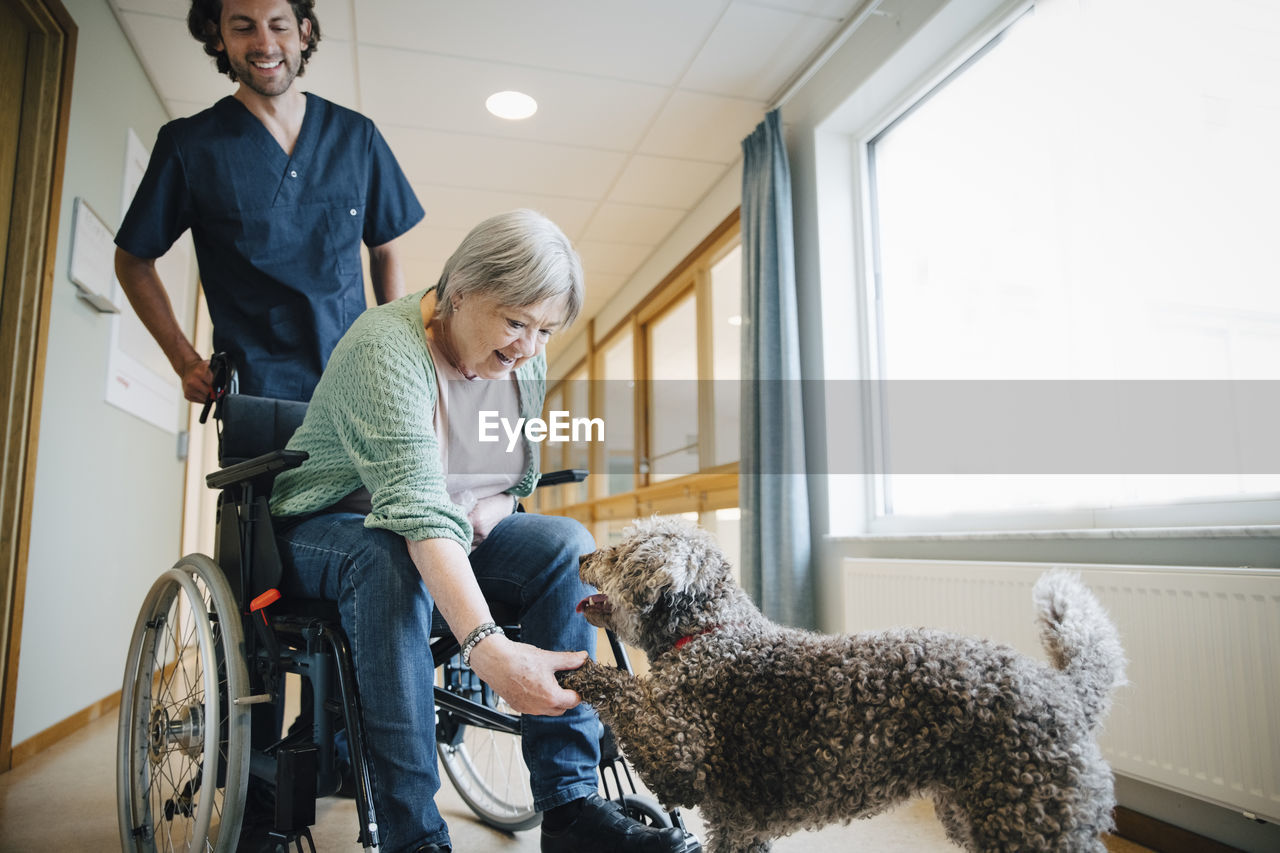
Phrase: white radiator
(1201,714)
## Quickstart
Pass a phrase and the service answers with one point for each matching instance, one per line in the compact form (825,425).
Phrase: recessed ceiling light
(511,105)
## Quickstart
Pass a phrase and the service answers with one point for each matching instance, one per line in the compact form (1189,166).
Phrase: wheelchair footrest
(292,841)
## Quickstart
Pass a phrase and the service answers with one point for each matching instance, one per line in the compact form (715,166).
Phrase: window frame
(712,487)
(958,35)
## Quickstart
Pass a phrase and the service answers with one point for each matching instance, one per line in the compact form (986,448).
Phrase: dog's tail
(1080,639)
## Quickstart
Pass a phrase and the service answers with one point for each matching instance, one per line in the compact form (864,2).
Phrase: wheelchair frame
(184,720)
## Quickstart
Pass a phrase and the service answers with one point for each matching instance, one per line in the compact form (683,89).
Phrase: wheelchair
(214,640)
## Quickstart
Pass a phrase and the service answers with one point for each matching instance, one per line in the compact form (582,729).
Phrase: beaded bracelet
(488,629)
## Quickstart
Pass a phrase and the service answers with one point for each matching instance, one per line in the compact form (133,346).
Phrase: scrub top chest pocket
(303,241)
(345,231)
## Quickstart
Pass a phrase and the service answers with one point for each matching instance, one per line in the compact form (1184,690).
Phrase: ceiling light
(511,105)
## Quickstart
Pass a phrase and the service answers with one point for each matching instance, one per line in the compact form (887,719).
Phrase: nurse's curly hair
(204,22)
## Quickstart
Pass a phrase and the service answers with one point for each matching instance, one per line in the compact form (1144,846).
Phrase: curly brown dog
(769,729)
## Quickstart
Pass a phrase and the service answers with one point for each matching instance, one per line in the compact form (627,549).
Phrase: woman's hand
(486,514)
(525,676)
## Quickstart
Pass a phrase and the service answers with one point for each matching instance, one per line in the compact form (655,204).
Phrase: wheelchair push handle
(223,372)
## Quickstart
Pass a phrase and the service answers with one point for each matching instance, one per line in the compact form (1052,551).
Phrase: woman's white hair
(518,258)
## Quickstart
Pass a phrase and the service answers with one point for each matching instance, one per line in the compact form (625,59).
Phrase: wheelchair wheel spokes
(183,745)
(176,730)
(487,766)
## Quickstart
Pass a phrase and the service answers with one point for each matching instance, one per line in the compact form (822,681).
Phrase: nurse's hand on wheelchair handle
(197,381)
(525,676)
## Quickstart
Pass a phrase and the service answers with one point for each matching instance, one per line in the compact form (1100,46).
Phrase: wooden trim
(665,300)
(688,492)
(729,223)
(583,363)
(38,743)
(640,402)
(25,333)
(596,461)
(687,276)
(691,280)
(701,492)
(706,365)
(1165,837)
(41,741)
(617,331)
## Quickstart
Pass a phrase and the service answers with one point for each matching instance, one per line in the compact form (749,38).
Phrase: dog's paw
(592,680)
(567,678)
(573,679)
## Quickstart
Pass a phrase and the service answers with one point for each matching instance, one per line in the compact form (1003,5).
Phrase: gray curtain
(776,550)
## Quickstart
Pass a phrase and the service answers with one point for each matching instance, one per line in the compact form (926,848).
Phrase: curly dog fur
(770,729)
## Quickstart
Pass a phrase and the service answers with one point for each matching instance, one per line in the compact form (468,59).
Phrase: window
(1088,198)
(693,348)
(617,381)
(664,381)
(673,392)
(726,354)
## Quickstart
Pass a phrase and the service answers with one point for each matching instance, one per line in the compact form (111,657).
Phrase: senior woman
(400,508)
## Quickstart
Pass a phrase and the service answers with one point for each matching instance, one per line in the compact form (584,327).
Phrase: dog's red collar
(686,640)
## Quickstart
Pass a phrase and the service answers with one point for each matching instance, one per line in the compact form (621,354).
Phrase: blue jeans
(529,562)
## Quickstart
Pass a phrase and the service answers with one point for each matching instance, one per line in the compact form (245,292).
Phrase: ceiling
(642,105)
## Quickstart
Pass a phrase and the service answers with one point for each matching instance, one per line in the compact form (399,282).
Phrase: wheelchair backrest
(252,426)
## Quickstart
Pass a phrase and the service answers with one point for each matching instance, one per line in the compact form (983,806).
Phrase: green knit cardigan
(371,423)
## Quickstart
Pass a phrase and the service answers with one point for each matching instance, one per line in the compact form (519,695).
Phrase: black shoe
(433,848)
(601,827)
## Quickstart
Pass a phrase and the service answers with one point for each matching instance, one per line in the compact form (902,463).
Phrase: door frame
(28,268)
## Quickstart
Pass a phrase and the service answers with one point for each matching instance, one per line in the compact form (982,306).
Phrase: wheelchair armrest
(268,464)
(569,475)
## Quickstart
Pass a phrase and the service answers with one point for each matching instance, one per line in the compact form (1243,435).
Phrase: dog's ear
(682,570)
(691,556)
(674,557)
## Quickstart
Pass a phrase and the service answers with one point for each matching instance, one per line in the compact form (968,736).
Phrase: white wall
(106,518)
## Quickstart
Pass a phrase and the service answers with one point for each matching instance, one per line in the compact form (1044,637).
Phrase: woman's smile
(488,340)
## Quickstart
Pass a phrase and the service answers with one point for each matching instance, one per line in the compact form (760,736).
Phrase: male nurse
(279,188)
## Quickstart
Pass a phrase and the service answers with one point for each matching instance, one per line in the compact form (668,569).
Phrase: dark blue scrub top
(277,237)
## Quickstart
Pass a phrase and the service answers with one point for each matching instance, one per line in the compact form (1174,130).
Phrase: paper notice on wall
(139,378)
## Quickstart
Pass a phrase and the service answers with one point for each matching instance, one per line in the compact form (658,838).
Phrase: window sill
(1243,531)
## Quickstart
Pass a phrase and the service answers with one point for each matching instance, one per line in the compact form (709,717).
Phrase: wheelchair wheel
(183,747)
(645,810)
(487,767)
